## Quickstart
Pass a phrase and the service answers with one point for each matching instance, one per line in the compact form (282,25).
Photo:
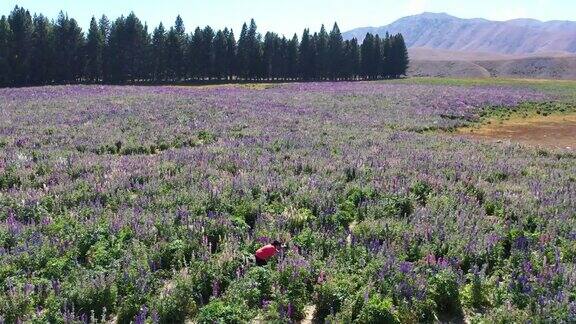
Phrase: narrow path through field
(309,318)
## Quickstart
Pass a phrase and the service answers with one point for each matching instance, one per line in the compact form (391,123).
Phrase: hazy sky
(290,16)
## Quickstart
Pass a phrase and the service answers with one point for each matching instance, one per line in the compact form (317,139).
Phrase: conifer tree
(136,38)
(42,55)
(368,65)
(219,48)
(69,43)
(243,54)
(352,59)
(399,53)
(5,36)
(175,45)
(194,54)
(115,56)
(37,51)
(173,55)
(307,56)
(107,56)
(323,54)
(158,53)
(181,49)
(20,45)
(231,48)
(255,61)
(292,58)
(179,28)
(270,55)
(387,56)
(377,58)
(104,27)
(94,52)
(281,58)
(336,56)
(207,67)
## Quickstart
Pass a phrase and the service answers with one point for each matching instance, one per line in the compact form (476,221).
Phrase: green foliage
(475,192)
(299,219)
(246,212)
(473,294)
(421,190)
(496,176)
(377,310)
(179,303)
(394,206)
(94,294)
(219,311)
(14,307)
(331,295)
(254,287)
(307,239)
(9,180)
(495,209)
(445,293)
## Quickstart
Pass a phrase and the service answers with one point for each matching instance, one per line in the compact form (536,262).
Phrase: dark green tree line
(35,51)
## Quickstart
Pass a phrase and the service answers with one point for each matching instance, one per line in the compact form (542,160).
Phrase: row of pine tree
(35,51)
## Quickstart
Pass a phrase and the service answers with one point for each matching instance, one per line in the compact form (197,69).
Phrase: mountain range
(445,32)
(443,45)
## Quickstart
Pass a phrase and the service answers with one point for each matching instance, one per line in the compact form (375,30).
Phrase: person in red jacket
(266,252)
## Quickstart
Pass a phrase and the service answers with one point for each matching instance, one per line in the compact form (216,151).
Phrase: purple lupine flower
(215,288)
(141,316)
(406,267)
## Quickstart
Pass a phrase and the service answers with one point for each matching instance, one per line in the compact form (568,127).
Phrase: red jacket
(266,252)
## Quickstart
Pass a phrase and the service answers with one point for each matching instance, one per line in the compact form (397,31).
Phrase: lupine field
(145,205)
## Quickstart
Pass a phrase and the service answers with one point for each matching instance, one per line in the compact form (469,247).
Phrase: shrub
(395,206)
(93,294)
(416,311)
(253,288)
(496,176)
(369,230)
(445,293)
(343,218)
(350,310)
(421,190)
(473,293)
(206,137)
(16,307)
(475,192)
(306,239)
(377,310)
(330,296)
(298,219)
(178,304)
(9,180)
(221,311)
(296,283)
(494,209)
(173,253)
(247,212)
(129,307)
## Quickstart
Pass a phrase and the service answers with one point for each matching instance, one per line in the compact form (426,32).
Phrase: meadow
(145,204)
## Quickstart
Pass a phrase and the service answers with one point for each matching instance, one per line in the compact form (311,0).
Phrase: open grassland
(145,204)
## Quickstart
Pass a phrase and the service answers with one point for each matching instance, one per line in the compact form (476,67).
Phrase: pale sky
(292,16)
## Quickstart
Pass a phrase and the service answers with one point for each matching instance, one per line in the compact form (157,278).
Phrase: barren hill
(444,63)
(442,31)
(444,45)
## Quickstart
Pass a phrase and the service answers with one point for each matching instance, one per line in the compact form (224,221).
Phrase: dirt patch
(223,84)
(557,132)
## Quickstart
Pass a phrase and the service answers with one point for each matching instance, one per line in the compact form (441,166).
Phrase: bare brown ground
(558,132)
